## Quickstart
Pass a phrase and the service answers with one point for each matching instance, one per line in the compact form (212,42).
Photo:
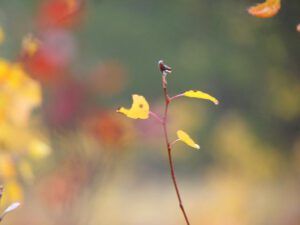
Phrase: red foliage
(60,13)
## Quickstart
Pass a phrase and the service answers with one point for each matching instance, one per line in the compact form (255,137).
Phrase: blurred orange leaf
(267,9)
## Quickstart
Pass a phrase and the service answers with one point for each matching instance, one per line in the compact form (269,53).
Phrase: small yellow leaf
(201,95)
(139,108)
(184,137)
(267,9)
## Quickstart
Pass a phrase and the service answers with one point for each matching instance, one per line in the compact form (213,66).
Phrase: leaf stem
(176,96)
(169,148)
(155,116)
(172,143)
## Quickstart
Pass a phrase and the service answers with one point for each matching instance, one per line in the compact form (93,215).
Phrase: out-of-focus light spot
(298,27)
(30,45)
(38,149)
(25,169)
(109,78)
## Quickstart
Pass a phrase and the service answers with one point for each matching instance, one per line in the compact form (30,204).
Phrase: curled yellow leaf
(267,9)
(139,108)
(184,137)
(201,95)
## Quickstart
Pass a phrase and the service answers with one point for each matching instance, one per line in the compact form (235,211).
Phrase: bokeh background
(70,159)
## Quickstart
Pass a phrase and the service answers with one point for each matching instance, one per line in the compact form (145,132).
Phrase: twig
(173,142)
(155,116)
(164,124)
(176,96)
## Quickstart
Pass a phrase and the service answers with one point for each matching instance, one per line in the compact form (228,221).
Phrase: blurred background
(67,65)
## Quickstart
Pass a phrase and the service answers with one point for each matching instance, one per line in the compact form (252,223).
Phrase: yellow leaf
(139,108)
(7,167)
(4,69)
(201,95)
(12,191)
(31,92)
(3,111)
(267,9)
(184,137)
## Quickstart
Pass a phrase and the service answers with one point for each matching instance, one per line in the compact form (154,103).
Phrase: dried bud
(165,69)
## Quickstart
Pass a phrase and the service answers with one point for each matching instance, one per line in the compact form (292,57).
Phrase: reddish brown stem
(155,116)
(167,102)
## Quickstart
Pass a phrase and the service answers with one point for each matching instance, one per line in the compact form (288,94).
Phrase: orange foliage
(267,9)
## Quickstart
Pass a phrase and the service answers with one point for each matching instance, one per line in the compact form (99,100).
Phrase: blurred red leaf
(53,57)
(110,129)
(60,13)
